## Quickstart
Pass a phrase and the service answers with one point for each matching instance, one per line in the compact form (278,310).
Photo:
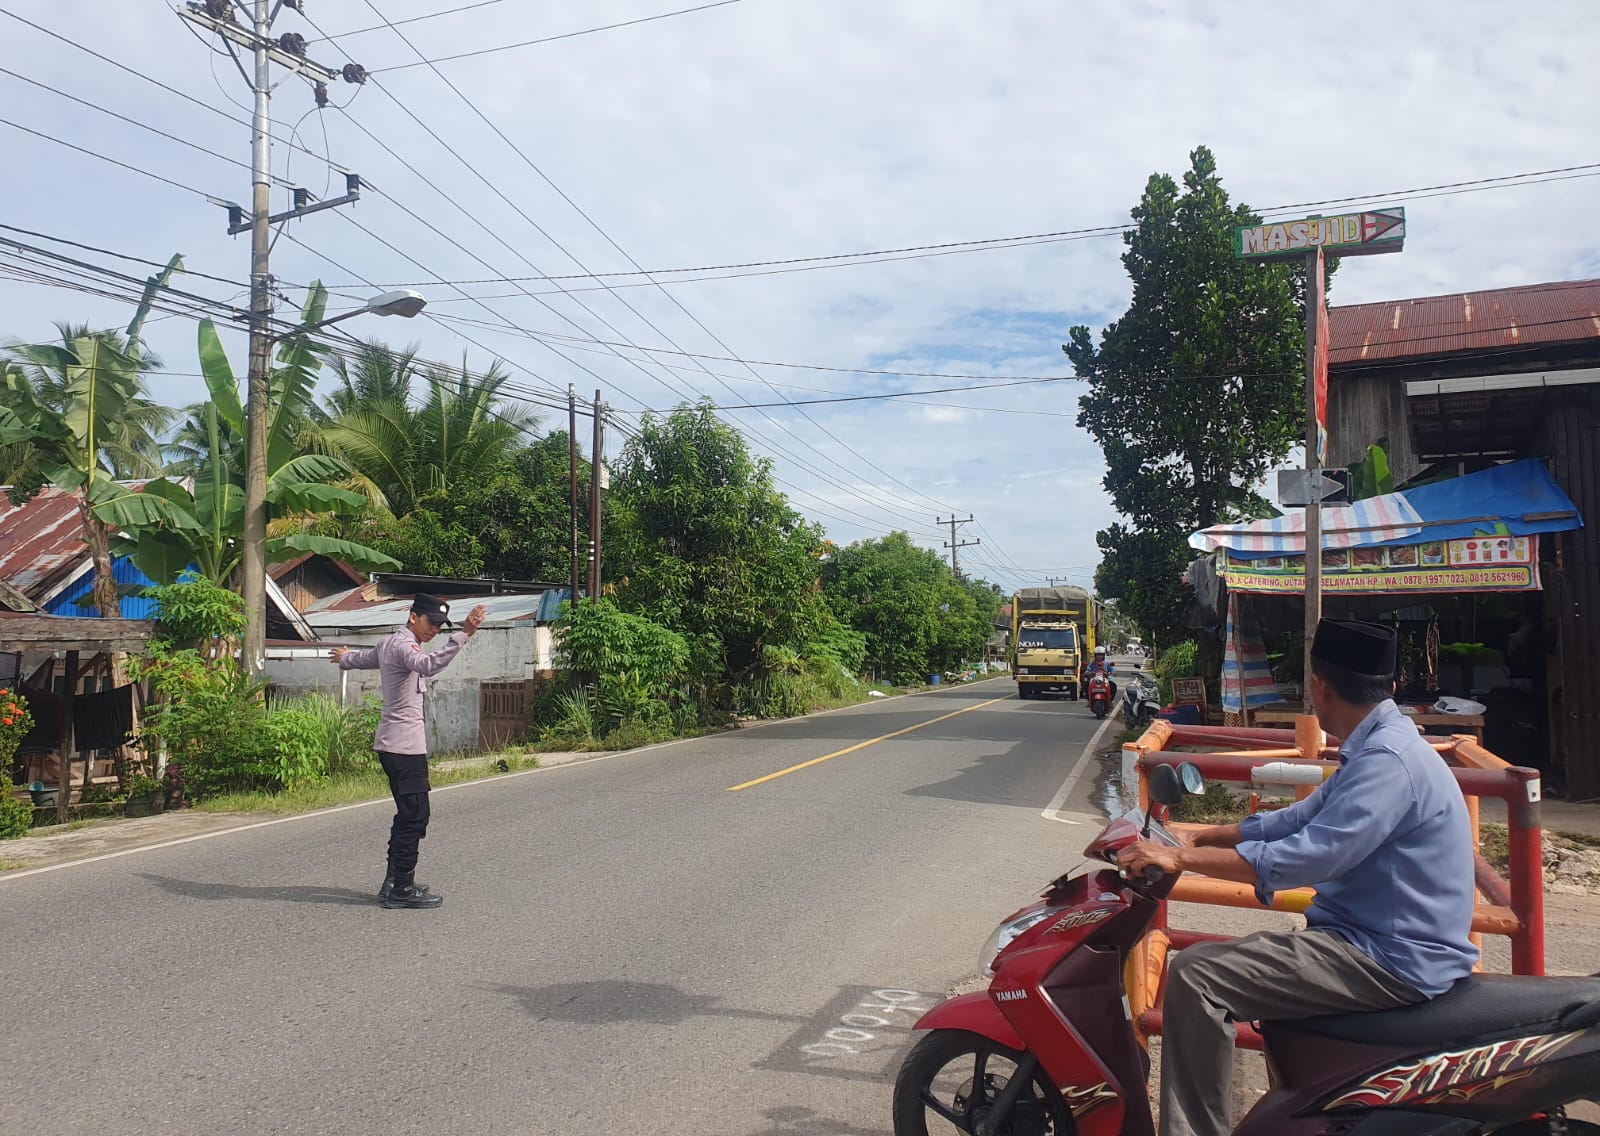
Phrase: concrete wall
(495,654)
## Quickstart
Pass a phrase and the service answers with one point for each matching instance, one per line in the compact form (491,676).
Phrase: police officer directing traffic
(401,741)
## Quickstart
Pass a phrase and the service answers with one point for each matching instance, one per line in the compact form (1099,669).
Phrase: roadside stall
(1456,566)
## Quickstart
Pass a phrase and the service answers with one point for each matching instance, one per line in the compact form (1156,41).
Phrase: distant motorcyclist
(1105,666)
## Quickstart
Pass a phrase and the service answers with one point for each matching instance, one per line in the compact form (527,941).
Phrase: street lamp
(405,303)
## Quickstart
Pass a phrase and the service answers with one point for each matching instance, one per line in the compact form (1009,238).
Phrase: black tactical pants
(408,781)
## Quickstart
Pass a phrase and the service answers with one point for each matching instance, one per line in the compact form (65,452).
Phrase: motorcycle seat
(1480,1007)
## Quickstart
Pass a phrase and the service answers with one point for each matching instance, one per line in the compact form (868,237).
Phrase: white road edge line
(6,877)
(1053,809)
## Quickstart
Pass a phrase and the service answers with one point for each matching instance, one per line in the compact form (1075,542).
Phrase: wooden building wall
(1570,445)
(1362,408)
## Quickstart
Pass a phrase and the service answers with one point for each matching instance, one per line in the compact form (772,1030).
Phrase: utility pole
(595,477)
(258,381)
(288,51)
(572,461)
(1316,442)
(955,545)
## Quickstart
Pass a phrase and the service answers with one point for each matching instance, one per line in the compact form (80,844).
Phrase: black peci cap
(1363,648)
(433,607)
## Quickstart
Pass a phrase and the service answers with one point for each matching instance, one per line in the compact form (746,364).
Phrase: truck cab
(1049,659)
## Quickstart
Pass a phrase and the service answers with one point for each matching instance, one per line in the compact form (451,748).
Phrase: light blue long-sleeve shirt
(1387,844)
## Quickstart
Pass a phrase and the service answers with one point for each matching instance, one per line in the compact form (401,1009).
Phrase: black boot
(388,883)
(409,895)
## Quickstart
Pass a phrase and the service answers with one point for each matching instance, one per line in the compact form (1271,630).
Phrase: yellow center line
(861,745)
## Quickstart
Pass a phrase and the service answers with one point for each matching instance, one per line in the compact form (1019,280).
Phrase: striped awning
(1372,521)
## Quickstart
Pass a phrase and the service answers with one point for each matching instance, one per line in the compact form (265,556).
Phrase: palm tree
(375,373)
(460,433)
(75,416)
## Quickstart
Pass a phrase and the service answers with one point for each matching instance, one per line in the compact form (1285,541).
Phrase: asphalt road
(627,944)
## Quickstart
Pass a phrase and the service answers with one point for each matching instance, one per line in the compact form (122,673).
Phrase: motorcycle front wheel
(949,1083)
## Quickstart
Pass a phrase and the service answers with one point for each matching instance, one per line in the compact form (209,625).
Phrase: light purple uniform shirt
(403,668)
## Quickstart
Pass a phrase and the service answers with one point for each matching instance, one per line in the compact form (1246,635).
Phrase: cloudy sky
(764,130)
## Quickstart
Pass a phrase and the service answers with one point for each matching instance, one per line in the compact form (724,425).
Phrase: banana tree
(212,500)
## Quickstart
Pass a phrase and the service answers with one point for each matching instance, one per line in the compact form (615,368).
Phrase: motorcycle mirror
(1167,784)
(1193,783)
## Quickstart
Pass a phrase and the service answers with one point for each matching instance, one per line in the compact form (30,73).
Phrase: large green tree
(1195,393)
(918,619)
(699,539)
(513,525)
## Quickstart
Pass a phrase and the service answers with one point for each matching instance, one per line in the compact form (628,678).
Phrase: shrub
(1177,661)
(208,717)
(843,645)
(597,639)
(195,612)
(572,719)
(347,731)
(293,748)
(16,816)
(626,699)
(639,733)
(15,722)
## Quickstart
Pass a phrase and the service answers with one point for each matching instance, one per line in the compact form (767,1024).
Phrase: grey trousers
(1271,975)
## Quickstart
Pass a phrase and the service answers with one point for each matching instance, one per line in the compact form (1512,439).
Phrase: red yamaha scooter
(1099,694)
(1050,1048)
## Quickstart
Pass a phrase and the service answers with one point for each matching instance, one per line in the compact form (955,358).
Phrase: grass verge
(353,788)
(12,865)
(629,737)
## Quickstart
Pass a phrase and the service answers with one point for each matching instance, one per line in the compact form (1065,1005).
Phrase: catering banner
(1491,563)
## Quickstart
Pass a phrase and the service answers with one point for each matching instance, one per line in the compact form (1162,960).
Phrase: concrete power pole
(595,478)
(572,461)
(288,52)
(258,381)
(955,545)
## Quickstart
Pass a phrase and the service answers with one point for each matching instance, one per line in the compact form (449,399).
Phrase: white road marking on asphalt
(1053,808)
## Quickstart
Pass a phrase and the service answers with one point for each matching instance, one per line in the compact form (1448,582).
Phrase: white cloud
(769,129)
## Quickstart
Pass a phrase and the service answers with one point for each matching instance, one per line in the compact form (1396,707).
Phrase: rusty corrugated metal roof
(1562,312)
(41,543)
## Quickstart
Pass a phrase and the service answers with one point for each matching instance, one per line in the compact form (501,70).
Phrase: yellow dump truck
(1053,633)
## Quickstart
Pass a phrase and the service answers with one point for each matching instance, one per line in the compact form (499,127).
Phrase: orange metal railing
(1511,907)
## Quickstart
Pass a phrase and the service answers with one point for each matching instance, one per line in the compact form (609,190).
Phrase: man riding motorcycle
(1384,842)
(1105,666)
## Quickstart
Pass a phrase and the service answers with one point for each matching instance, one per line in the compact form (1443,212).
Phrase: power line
(408,20)
(120,255)
(478,173)
(124,294)
(1477,329)
(598,228)
(871,523)
(982,244)
(105,158)
(131,121)
(154,81)
(544,39)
